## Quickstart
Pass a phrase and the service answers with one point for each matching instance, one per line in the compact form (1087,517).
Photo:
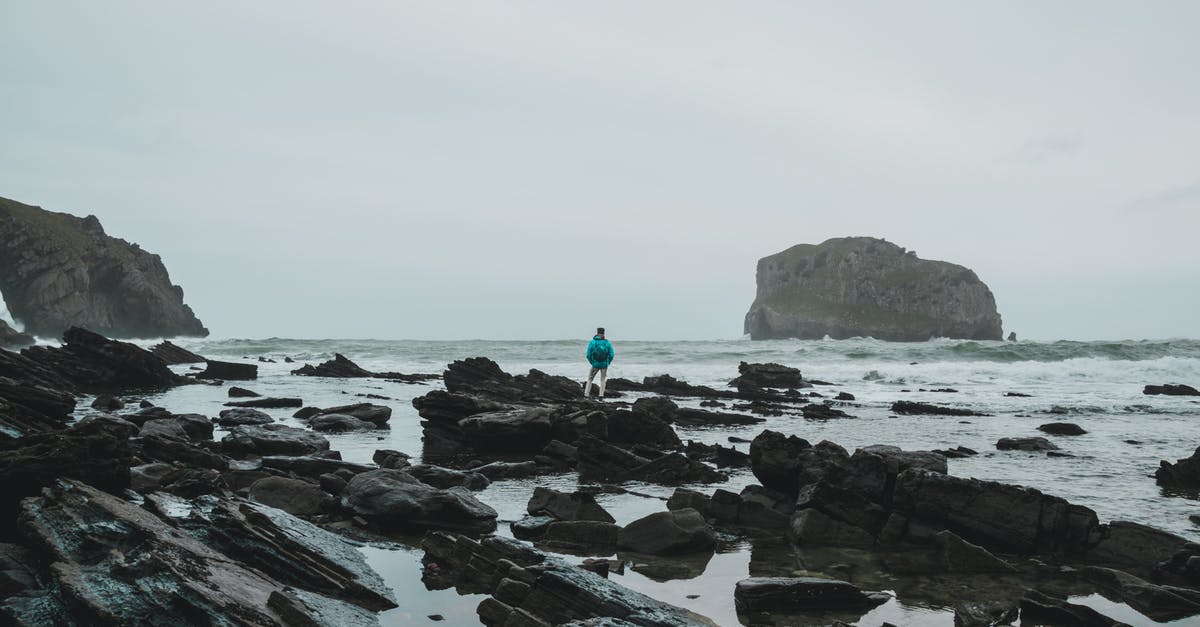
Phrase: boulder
(1133,546)
(94,363)
(439,477)
(483,377)
(566,506)
(386,458)
(164,426)
(105,402)
(641,428)
(868,287)
(243,416)
(668,533)
(1062,428)
(268,403)
(790,594)
(272,439)
(1041,609)
(237,392)
(517,430)
(1171,390)
(378,414)
(770,375)
(1184,473)
(169,449)
(1026,444)
(581,536)
(340,423)
(396,501)
(296,497)
(531,527)
(228,371)
(507,470)
(174,355)
(58,270)
(601,461)
(312,466)
(775,460)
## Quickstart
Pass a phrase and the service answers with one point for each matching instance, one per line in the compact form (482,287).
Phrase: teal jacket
(600,352)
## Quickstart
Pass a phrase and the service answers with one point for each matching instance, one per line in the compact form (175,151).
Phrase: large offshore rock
(1184,473)
(172,354)
(115,563)
(342,368)
(396,501)
(58,271)
(94,363)
(863,286)
(482,376)
(766,594)
(769,375)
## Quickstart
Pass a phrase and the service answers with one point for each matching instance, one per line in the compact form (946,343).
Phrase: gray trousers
(587,389)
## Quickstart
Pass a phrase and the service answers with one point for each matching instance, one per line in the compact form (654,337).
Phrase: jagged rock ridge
(863,286)
(58,271)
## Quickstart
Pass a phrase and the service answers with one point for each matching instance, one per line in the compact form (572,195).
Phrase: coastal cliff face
(863,286)
(58,271)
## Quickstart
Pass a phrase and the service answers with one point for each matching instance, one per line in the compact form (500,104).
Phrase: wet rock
(228,371)
(482,376)
(1062,428)
(169,449)
(956,555)
(396,501)
(649,428)
(787,463)
(439,477)
(268,403)
(94,363)
(27,409)
(769,375)
(1038,608)
(581,536)
(721,456)
(909,408)
(566,506)
(1132,546)
(1159,603)
(272,439)
(668,533)
(782,594)
(668,385)
(340,423)
(558,593)
(443,407)
(243,416)
(126,566)
(1171,390)
(496,471)
(957,452)
(844,396)
(390,459)
(815,411)
(296,497)
(164,426)
(812,527)
(97,452)
(842,505)
(173,355)
(378,414)
(985,613)
(689,417)
(342,368)
(1026,444)
(11,338)
(312,466)
(148,477)
(601,461)
(191,483)
(237,392)
(999,517)
(517,430)
(332,484)
(531,527)
(1184,473)
(104,402)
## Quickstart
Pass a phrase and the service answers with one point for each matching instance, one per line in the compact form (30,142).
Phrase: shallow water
(1097,385)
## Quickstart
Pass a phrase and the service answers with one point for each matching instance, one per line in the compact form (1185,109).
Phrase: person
(599,354)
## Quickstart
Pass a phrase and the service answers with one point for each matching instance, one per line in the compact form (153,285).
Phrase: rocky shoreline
(139,512)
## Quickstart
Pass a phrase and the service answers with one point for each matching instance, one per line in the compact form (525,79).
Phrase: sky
(530,170)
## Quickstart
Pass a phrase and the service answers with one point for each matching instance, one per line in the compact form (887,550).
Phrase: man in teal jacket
(600,354)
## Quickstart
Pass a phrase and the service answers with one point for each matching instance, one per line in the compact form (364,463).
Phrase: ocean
(1097,385)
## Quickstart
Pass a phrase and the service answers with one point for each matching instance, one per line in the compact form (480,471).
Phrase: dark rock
(985,613)
(170,449)
(272,439)
(439,477)
(531,527)
(105,402)
(667,385)
(27,408)
(482,376)
(1041,609)
(689,417)
(783,594)
(396,501)
(268,403)
(332,484)
(668,533)
(305,413)
(723,457)
(342,368)
(94,363)
(97,452)
(444,407)
(507,470)
(1171,390)
(237,392)
(58,271)
(957,452)
(641,427)
(390,459)
(228,371)
(13,339)
(601,461)
(517,430)
(564,506)
(173,355)
(144,404)
(908,408)
(168,427)
(1026,444)
(1062,428)
(581,536)
(814,411)
(243,416)
(1159,603)
(811,527)
(1184,473)
(769,375)
(1132,546)
(775,460)
(378,414)
(999,517)
(296,497)
(312,466)
(868,287)
(148,477)
(844,396)
(191,483)
(842,505)
(340,423)
(197,427)
(956,555)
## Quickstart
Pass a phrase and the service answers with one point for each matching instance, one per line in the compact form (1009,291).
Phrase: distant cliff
(58,271)
(863,286)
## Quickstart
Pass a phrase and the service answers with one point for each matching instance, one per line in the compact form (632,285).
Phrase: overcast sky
(527,170)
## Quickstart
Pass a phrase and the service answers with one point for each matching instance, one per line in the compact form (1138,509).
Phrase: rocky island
(868,287)
(58,270)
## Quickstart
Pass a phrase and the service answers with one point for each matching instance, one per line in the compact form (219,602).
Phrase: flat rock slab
(273,439)
(268,403)
(781,594)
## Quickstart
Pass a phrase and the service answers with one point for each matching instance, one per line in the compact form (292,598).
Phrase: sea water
(1097,385)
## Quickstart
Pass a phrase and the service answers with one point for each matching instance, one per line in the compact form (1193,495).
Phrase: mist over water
(1097,385)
